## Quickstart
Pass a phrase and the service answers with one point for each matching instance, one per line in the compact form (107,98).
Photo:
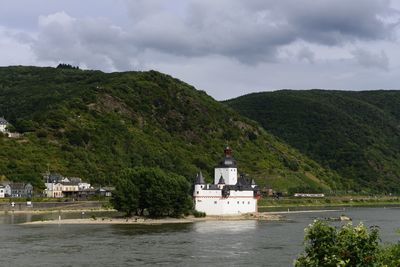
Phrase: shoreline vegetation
(329,201)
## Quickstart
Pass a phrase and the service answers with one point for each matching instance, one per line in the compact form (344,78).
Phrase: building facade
(229,194)
(3,125)
(2,191)
(21,190)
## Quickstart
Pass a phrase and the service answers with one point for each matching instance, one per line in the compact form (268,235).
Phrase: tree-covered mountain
(94,125)
(356,134)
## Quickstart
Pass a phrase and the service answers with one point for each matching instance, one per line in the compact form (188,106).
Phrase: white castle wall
(226,206)
(212,203)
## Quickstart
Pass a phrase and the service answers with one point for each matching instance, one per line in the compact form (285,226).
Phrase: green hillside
(93,125)
(356,134)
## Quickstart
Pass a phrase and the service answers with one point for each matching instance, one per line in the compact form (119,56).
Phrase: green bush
(327,245)
(198,214)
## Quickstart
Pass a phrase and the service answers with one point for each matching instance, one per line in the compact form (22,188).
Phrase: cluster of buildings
(4,129)
(11,189)
(58,186)
(229,194)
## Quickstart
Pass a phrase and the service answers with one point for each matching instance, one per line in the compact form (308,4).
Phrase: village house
(53,190)
(105,191)
(7,188)
(21,189)
(2,191)
(3,125)
(58,186)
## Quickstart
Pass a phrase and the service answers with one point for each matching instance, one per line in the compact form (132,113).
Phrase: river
(209,243)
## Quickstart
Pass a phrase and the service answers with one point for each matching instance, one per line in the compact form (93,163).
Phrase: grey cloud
(306,54)
(91,42)
(371,60)
(333,22)
(250,32)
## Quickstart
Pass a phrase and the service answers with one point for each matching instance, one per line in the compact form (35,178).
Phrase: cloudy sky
(225,47)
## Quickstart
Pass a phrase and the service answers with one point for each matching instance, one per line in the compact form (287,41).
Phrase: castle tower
(199,184)
(221,183)
(226,169)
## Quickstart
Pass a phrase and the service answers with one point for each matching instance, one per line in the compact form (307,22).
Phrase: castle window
(215,202)
(238,202)
(242,202)
(248,202)
(197,192)
(228,202)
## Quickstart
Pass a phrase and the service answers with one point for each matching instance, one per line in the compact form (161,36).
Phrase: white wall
(225,206)
(3,128)
(229,175)
(212,203)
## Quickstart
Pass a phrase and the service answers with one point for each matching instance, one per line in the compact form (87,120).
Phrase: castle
(229,194)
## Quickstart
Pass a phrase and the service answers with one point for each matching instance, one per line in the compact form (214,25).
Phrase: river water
(210,243)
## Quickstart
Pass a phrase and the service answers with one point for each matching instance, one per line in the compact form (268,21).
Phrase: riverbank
(329,201)
(264,216)
(55,211)
(29,206)
(260,216)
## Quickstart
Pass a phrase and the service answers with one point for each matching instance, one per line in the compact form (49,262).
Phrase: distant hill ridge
(356,134)
(92,125)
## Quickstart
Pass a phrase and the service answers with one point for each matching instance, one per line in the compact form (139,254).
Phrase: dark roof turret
(199,178)
(221,180)
(228,160)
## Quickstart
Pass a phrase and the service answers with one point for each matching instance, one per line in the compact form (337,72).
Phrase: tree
(346,246)
(126,196)
(153,190)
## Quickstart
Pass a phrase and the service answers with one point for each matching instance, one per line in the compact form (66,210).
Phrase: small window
(197,192)
(248,202)
(238,202)
(228,202)
(242,202)
(215,202)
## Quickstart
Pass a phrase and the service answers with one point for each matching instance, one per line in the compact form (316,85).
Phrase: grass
(329,201)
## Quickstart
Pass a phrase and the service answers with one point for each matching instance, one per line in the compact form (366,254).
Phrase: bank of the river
(329,201)
(264,216)
(30,206)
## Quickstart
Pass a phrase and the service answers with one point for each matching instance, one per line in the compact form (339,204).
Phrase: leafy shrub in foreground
(346,246)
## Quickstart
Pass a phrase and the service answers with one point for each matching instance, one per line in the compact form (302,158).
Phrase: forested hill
(356,134)
(94,125)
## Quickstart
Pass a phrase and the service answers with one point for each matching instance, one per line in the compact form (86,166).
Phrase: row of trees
(153,191)
(327,245)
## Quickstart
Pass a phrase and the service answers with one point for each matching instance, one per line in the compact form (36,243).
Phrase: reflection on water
(223,227)
(213,243)
(133,230)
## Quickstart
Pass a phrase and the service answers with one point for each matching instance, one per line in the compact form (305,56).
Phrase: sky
(227,48)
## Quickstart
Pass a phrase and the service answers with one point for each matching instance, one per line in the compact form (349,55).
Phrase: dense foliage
(153,191)
(326,245)
(353,133)
(94,125)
